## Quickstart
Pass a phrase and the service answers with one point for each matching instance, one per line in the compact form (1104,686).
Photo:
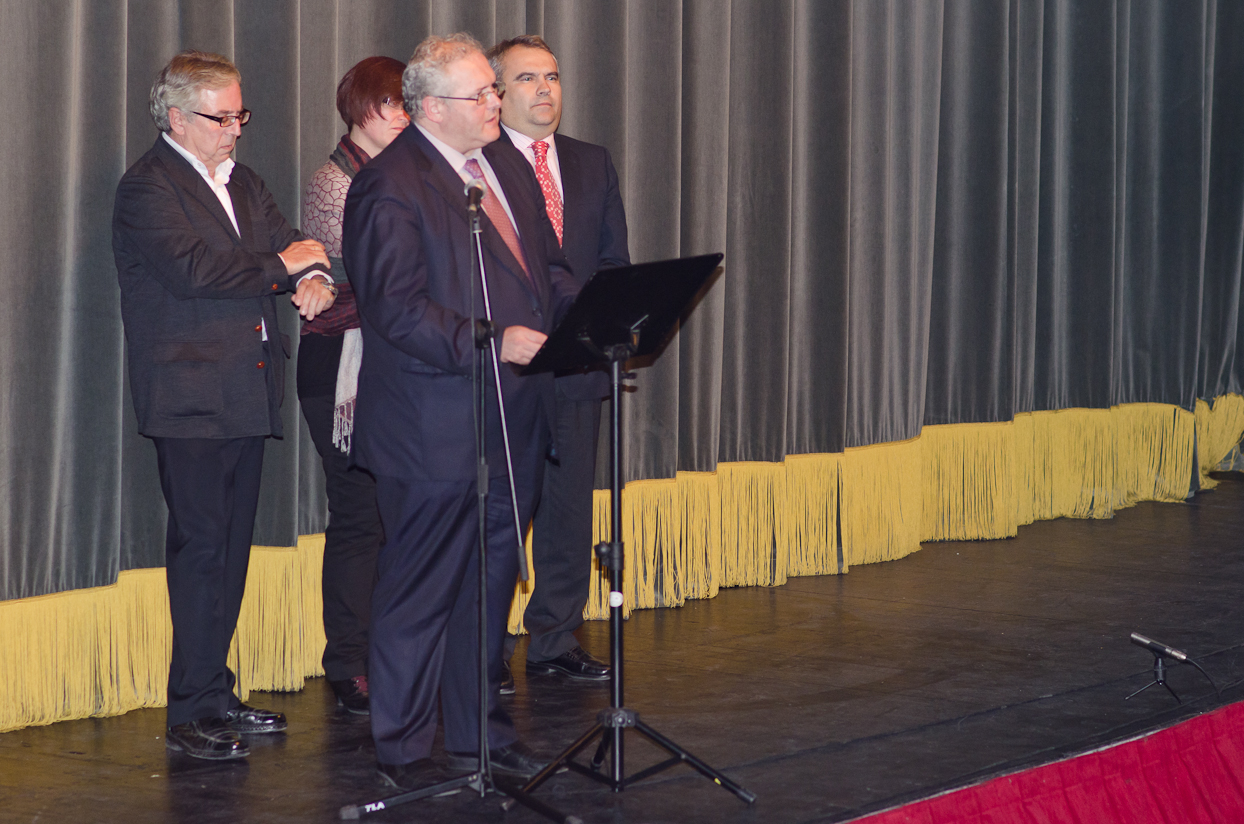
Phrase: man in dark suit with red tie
(580,188)
(407,251)
(201,252)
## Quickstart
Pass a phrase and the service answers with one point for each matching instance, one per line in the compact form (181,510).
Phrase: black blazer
(407,252)
(192,296)
(593,231)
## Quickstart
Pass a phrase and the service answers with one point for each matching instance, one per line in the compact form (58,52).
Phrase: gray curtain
(932,212)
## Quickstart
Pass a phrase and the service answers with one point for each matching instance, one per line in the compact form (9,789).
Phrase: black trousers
(424,642)
(211,487)
(351,543)
(561,540)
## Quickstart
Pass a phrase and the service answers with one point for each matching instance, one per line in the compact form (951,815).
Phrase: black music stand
(622,313)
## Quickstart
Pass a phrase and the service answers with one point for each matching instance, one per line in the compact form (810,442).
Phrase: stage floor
(828,697)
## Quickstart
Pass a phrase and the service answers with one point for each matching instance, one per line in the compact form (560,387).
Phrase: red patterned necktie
(552,198)
(496,214)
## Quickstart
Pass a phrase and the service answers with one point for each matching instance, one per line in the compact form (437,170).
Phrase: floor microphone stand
(482,780)
(614,721)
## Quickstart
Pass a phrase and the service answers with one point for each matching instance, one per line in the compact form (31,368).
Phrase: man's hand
(303,253)
(520,344)
(313,296)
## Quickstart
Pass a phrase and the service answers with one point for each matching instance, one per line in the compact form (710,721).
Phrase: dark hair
(367,86)
(496,55)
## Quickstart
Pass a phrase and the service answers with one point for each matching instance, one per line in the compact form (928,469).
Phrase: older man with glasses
(201,253)
(407,249)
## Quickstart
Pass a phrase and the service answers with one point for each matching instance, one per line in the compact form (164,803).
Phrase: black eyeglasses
(229,119)
(479,99)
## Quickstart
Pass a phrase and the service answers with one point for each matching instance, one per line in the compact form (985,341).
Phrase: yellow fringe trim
(104,651)
(1218,432)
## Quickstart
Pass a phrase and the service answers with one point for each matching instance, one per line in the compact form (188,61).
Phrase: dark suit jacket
(192,296)
(406,248)
(593,231)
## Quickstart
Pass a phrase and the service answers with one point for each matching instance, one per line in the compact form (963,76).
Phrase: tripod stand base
(1159,679)
(475,781)
(609,726)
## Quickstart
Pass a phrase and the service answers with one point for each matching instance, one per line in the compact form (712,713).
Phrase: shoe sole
(242,729)
(545,669)
(175,746)
(352,710)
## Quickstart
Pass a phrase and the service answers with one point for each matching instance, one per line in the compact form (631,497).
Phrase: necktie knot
(541,149)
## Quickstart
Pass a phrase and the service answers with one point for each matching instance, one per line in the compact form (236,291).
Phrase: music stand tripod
(622,313)
(482,779)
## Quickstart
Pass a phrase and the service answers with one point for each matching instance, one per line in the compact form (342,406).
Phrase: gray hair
(186,75)
(496,55)
(425,73)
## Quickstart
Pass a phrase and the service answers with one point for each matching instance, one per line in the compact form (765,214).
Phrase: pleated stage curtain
(982,263)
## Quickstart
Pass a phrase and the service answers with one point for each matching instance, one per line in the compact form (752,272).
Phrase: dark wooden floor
(828,697)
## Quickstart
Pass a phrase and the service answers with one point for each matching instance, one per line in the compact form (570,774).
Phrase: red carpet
(1192,772)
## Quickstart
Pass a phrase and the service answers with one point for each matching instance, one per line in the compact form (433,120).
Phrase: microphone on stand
(475,193)
(1158,648)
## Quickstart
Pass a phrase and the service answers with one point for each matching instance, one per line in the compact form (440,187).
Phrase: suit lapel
(241,211)
(568,164)
(449,185)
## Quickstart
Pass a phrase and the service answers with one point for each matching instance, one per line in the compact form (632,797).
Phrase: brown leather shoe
(352,693)
(209,738)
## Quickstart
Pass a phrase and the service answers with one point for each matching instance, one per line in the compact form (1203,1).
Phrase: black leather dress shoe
(406,777)
(578,664)
(353,695)
(252,721)
(507,679)
(209,738)
(515,760)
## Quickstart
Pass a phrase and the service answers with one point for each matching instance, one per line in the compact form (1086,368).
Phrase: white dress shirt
(523,143)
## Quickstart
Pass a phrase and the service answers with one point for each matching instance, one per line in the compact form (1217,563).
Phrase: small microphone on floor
(1159,649)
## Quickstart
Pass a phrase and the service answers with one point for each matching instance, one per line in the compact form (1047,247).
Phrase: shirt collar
(223,170)
(456,158)
(522,142)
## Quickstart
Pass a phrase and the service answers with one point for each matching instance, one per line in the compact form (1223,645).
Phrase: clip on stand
(482,780)
(622,313)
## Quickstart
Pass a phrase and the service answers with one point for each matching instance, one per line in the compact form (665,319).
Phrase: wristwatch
(332,287)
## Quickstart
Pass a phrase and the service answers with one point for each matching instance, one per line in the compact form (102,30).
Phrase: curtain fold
(932,213)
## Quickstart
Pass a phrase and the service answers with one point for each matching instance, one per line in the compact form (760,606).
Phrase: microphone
(1158,649)
(475,193)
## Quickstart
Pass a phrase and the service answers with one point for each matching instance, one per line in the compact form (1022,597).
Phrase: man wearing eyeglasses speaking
(201,253)
(406,248)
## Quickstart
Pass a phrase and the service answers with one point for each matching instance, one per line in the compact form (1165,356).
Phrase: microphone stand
(482,780)
(611,723)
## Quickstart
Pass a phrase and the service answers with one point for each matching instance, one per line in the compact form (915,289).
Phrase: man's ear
(176,121)
(431,108)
